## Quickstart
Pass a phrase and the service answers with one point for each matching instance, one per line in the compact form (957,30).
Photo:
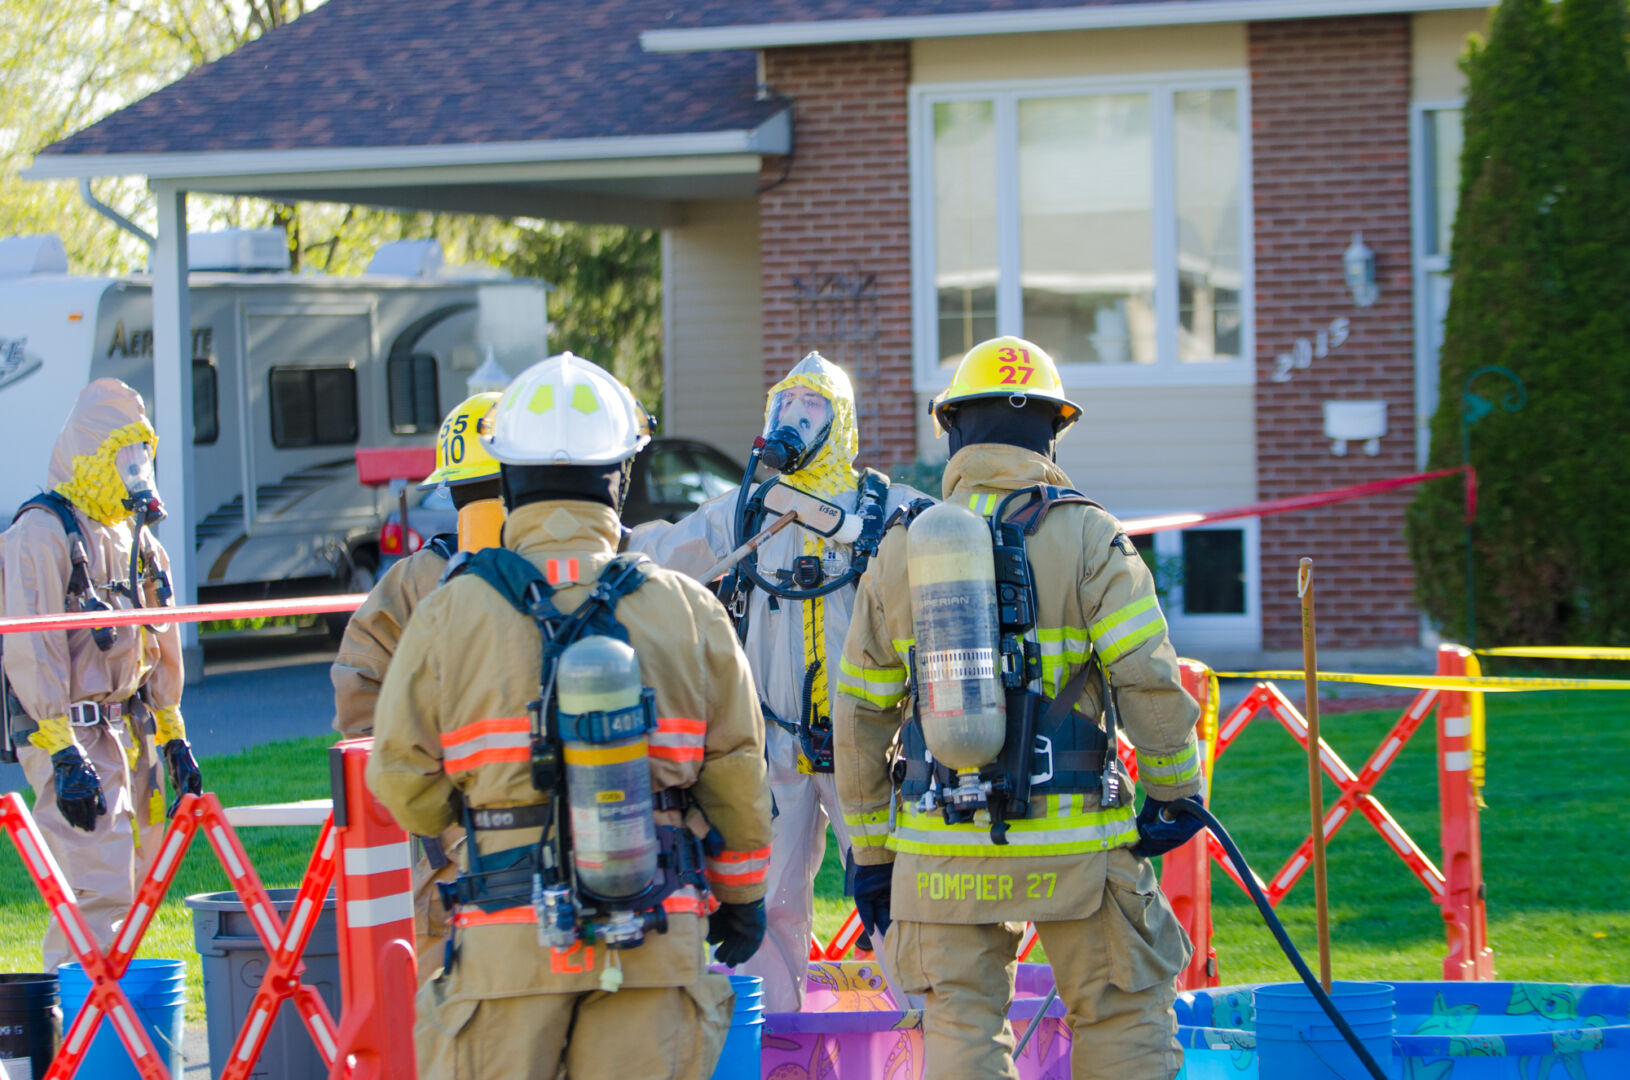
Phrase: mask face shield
(805,414)
(134,464)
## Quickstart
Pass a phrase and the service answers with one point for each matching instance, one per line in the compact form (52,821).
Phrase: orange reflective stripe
(506,917)
(495,739)
(743,856)
(739,867)
(678,738)
(554,567)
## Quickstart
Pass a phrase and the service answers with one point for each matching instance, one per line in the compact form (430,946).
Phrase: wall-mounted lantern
(1356,422)
(1359,263)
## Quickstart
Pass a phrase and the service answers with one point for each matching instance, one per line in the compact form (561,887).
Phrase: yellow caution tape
(1559,652)
(1442,682)
(1479,739)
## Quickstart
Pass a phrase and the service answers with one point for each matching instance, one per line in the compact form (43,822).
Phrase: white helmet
(567,411)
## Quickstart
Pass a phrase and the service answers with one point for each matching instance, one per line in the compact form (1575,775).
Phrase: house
(1166,195)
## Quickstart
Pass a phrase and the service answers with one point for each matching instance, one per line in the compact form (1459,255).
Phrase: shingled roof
(393,73)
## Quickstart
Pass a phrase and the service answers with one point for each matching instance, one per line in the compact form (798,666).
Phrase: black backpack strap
(79,578)
(514,576)
(907,512)
(444,544)
(1042,498)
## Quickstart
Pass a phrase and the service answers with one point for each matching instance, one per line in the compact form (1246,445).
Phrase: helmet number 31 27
(1016,367)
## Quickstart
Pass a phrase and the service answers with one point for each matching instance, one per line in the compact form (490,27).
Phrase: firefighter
(371,636)
(93,712)
(793,632)
(604,988)
(1005,801)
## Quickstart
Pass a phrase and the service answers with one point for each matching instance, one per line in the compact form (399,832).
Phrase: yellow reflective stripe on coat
(1056,828)
(985,505)
(1059,648)
(869,829)
(1121,631)
(1170,769)
(903,647)
(883,687)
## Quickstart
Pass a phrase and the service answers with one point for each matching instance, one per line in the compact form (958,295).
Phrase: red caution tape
(249,609)
(1141,526)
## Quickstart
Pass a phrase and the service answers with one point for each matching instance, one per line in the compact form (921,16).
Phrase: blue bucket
(1294,1037)
(158,990)
(743,1046)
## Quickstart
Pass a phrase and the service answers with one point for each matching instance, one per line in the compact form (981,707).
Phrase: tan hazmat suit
(958,898)
(51,670)
(365,653)
(450,728)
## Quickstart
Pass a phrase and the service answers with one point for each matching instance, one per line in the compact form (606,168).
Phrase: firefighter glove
(1162,828)
(874,887)
(79,789)
(185,779)
(737,930)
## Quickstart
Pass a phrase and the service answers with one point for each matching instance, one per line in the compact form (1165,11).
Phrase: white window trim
(1167,370)
(1425,265)
(1203,632)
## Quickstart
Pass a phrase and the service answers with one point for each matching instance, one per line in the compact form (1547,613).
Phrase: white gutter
(773,136)
(1097,17)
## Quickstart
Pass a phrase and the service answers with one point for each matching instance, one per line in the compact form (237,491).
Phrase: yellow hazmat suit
(785,641)
(958,899)
(450,729)
(58,676)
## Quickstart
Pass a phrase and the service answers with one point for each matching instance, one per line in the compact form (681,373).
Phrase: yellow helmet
(1006,367)
(460,457)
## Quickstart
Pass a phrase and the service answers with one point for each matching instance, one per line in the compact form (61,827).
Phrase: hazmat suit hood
(106,417)
(831,468)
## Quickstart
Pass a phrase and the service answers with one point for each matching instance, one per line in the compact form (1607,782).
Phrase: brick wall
(844,208)
(1330,155)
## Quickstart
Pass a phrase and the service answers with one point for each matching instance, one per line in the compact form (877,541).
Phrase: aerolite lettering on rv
(140,342)
(15,363)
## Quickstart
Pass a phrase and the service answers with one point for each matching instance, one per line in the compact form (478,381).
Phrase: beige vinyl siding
(1151,450)
(1437,38)
(1153,50)
(712,326)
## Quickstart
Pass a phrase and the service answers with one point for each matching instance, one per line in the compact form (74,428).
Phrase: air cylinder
(608,774)
(960,702)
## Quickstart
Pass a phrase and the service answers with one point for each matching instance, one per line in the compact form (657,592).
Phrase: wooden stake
(1310,678)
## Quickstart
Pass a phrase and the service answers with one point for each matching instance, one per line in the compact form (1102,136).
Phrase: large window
(1106,224)
(313,406)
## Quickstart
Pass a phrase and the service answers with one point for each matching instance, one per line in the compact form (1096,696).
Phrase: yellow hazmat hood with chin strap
(107,416)
(832,470)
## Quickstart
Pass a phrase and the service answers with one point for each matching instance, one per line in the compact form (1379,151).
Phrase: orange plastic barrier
(1465,914)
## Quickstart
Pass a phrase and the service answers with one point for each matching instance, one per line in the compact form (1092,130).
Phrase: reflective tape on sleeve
(883,687)
(679,738)
(498,738)
(1170,769)
(738,867)
(1122,631)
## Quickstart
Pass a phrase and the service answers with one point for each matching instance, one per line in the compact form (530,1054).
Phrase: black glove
(1162,828)
(185,779)
(79,789)
(737,930)
(874,887)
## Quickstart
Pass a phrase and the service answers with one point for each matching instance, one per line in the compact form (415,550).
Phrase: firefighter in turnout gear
(793,601)
(92,713)
(473,727)
(960,854)
(371,636)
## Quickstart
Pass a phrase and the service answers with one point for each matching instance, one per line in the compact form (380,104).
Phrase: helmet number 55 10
(1016,367)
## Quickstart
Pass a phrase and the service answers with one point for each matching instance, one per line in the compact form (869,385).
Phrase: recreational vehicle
(291,373)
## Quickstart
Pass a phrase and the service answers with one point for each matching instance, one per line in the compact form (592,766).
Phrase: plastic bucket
(158,991)
(30,1023)
(1295,1038)
(743,1046)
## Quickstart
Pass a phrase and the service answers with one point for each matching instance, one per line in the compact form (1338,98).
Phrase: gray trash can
(234,964)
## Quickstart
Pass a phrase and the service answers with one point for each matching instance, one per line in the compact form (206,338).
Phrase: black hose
(1189,806)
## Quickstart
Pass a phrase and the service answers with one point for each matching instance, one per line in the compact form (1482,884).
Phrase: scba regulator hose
(1189,806)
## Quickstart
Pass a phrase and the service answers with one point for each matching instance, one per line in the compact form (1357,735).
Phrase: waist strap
(90,713)
(510,817)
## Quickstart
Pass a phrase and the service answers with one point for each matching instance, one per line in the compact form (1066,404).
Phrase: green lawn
(1558,876)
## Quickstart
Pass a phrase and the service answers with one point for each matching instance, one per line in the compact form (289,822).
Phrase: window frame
(311,368)
(410,360)
(1428,264)
(1195,633)
(1167,370)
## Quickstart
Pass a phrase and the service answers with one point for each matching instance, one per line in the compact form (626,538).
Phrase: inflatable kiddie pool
(851,1029)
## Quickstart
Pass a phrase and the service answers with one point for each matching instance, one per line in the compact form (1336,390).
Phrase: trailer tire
(359,579)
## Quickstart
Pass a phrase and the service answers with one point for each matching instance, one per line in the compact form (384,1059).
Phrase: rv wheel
(360,579)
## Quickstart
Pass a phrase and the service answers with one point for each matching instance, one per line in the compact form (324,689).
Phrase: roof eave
(772,136)
(1104,17)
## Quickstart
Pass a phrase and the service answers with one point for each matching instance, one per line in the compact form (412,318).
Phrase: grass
(1554,859)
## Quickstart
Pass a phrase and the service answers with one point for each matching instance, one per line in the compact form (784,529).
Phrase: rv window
(313,406)
(414,404)
(206,418)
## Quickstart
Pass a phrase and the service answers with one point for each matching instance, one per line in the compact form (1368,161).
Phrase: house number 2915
(1303,351)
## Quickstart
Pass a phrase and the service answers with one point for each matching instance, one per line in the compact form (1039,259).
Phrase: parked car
(671,478)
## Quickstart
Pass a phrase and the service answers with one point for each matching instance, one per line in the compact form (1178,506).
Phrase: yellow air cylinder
(960,703)
(608,775)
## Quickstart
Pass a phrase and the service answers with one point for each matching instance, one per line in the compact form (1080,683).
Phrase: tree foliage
(1541,261)
(65,65)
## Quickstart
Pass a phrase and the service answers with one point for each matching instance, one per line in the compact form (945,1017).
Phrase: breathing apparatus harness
(806,579)
(544,875)
(1049,748)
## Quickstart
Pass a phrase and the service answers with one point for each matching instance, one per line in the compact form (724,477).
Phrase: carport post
(172,405)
